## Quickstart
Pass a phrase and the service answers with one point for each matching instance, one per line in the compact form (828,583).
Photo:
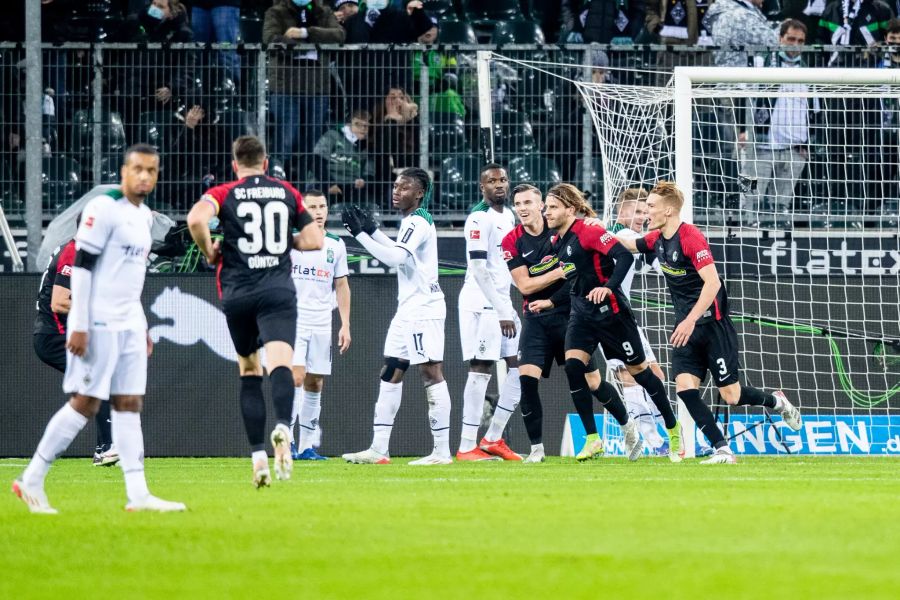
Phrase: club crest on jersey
(475,234)
(329,256)
(482,347)
(568,250)
(674,256)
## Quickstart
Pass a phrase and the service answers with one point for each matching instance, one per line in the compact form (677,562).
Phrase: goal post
(793,173)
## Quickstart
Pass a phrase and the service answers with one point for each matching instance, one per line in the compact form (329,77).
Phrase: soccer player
(631,217)
(320,277)
(416,333)
(601,315)
(537,273)
(488,324)
(53,303)
(107,341)
(704,338)
(257,213)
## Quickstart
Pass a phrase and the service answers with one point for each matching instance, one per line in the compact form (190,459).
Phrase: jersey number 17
(266,228)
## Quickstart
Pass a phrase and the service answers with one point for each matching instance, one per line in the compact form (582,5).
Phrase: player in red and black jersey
(704,338)
(601,314)
(258,214)
(53,302)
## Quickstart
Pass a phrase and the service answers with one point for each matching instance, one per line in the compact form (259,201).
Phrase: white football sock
(439,417)
(640,407)
(60,431)
(473,408)
(126,430)
(259,456)
(537,448)
(510,394)
(295,409)
(389,396)
(309,418)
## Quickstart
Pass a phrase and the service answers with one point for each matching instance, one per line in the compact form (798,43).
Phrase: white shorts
(480,337)
(115,365)
(616,364)
(312,350)
(416,341)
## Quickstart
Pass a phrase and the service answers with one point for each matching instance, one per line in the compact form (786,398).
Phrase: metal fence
(342,119)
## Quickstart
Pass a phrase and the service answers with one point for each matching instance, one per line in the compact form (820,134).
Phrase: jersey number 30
(266,227)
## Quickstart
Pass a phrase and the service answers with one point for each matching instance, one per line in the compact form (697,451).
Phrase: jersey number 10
(266,227)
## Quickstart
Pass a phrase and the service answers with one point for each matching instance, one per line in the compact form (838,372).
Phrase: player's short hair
(635,194)
(248,151)
(788,24)
(893,26)
(526,187)
(139,148)
(490,167)
(668,191)
(314,192)
(572,197)
(362,114)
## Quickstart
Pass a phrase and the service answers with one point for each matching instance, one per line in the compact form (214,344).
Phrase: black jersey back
(58,272)
(535,252)
(680,258)
(593,251)
(258,215)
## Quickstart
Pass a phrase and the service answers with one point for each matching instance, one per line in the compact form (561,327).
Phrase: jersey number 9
(266,227)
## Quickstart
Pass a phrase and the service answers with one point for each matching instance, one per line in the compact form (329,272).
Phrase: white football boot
(722,456)
(790,414)
(367,457)
(633,442)
(34,498)
(281,444)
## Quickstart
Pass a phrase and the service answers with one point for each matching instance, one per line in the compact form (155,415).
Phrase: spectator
(219,21)
(678,23)
(394,136)
(739,23)
(603,21)
(807,11)
(354,22)
(854,22)
(343,165)
(780,137)
(887,137)
(298,78)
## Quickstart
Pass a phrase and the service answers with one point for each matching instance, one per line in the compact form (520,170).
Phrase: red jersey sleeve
(216,196)
(64,265)
(595,237)
(646,244)
(511,248)
(694,245)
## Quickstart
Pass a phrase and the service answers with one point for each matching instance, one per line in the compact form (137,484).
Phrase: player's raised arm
(310,237)
(630,243)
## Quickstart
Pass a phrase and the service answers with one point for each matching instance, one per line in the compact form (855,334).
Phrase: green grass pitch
(764,528)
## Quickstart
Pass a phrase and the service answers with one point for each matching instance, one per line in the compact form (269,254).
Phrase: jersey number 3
(266,227)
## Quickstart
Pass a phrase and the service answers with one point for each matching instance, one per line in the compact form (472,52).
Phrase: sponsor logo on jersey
(298,271)
(475,234)
(507,255)
(545,265)
(66,270)
(606,238)
(703,255)
(671,270)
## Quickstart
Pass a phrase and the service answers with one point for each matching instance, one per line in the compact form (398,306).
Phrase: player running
(53,303)
(416,333)
(631,216)
(538,275)
(257,213)
(601,315)
(704,338)
(488,324)
(107,341)
(320,277)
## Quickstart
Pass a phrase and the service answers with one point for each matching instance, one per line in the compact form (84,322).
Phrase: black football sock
(253,410)
(750,396)
(104,426)
(608,396)
(650,382)
(283,394)
(532,410)
(703,417)
(581,394)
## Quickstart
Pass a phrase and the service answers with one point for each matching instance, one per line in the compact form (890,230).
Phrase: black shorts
(713,347)
(543,340)
(256,319)
(51,349)
(617,335)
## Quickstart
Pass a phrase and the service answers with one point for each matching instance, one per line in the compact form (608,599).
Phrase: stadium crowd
(346,120)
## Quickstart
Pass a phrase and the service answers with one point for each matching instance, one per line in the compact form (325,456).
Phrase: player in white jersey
(416,333)
(631,216)
(107,341)
(488,325)
(320,277)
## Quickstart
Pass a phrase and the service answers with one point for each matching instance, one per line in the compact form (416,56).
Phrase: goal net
(792,173)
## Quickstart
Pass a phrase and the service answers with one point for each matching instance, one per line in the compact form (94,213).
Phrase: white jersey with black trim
(419,294)
(314,273)
(485,229)
(628,234)
(119,232)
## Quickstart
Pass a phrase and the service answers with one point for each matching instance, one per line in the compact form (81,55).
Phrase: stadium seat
(447,139)
(517,32)
(491,10)
(155,126)
(82,137)
(513,135)
(60,182)
(458,185)
(440,9)
(456,32)
(539,170)
(276,168)
(251,29)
